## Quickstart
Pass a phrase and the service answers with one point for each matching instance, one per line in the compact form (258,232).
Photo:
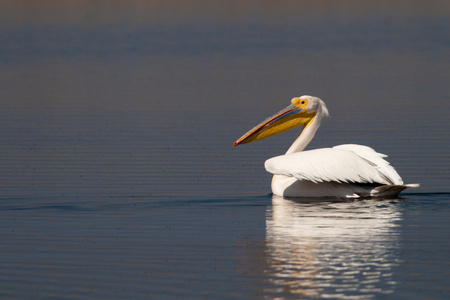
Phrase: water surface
(118,178)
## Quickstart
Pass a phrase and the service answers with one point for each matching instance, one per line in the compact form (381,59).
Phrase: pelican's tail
(391,190)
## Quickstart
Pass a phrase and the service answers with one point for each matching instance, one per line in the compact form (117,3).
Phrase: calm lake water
(118,175)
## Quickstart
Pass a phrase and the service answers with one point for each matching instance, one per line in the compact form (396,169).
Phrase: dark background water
(118,175)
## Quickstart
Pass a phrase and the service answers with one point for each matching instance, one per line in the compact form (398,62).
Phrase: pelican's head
(302,111)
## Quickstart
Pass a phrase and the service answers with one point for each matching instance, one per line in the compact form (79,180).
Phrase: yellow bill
(292,116)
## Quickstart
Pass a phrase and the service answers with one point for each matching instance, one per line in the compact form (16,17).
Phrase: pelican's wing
(328,165)
(376,159)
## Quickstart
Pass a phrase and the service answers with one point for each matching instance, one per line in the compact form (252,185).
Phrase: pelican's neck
(306,135)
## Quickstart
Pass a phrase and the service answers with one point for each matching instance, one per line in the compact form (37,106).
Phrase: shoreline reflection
(330,249)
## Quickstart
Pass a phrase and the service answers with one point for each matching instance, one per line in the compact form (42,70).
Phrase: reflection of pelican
(328,249)
(341,171)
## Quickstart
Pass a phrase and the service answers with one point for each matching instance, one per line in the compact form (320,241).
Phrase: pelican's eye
(303,101)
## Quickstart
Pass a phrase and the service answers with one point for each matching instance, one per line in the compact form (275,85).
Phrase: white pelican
(349,170)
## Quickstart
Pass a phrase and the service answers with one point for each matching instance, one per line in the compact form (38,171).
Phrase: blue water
(118,177)
(241,247)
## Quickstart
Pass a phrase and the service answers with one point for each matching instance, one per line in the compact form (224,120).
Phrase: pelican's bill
(288,118)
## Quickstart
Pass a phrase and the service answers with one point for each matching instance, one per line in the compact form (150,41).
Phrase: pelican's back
(343,164)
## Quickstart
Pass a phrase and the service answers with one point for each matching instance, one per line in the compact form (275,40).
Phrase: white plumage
(338,164)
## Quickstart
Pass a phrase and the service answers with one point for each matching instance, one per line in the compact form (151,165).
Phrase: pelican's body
(342,171)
